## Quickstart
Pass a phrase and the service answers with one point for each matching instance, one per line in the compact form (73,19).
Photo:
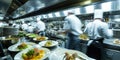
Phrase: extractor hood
(42,7)
(47,6)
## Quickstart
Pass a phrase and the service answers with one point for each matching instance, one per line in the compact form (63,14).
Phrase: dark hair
(70,13)
(100,19)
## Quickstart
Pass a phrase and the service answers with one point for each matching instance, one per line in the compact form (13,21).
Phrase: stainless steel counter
(111,51)
(58,51)
(108,43)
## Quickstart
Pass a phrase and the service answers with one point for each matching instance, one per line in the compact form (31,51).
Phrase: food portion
(34,54)
(14,39)
(32,35)
(41,38)
(21,34)
(73,56)
(116,41)
(22,46)
(84,37)
(48,44)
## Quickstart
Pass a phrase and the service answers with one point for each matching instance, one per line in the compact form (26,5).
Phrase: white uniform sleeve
(66,25)
(106,31)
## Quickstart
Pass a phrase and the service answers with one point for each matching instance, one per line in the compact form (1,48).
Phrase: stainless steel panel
(10,31)
(4,5)
(34,5)
(111,54)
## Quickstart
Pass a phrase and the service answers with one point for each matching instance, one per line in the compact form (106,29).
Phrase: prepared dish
(41,38)
(48,43)
(22,46)
(33,54)
(116,41)
(83,37)
(73,56)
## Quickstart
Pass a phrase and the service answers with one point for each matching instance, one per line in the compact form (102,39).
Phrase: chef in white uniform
(1,24)
(97,31)
(30,28)
(72,27)
(98,28)
(40,27)
(24,26)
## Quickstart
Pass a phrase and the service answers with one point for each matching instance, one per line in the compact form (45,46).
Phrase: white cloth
(98,13)
(17,26)
(30,29)
(1,24)
(24,26)
(73,24)
(40,26)
(97,29)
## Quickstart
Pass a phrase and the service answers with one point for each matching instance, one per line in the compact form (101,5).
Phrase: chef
(30,28)
(1,24)
(24,26)
(40,27)
(97,31)
(72,27)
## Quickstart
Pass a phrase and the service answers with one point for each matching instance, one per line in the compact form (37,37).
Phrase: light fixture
(106,6)
(50,15)
(57,14)
(44,16)
(89,9)
(77,11)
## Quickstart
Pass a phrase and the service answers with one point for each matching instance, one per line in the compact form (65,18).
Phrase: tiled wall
(116,34)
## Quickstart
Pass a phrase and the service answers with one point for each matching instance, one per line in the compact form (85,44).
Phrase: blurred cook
(72,27)
(1,24)
(30,28)
(40,27)
(24,26)
(98,28)
(97,31)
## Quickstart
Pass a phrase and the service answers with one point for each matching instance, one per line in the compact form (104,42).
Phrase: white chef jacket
(40,26)
(97,29)
(1,24)
(73,24)
(30,29)
(24,26)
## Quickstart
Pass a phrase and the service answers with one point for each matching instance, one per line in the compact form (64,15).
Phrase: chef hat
(38,19)
(23,22)
(98,13)
(29,24)
(70,11)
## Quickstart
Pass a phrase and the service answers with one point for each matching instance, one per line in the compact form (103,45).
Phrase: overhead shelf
(29,8)
(14,5)
(60,5)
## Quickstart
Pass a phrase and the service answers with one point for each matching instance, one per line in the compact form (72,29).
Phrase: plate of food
(69,55)
(48,43)
(84,37)
(32,35)
(21,46)
(116,41)
(40,38)
(33,54)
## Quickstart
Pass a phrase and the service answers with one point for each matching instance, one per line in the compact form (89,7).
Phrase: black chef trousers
(95,50)
(1,50)
(41,33)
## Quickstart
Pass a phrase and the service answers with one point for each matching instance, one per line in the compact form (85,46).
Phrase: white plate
(40,40)
(54,43)
(14,47)
(59,54)
(18,56)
